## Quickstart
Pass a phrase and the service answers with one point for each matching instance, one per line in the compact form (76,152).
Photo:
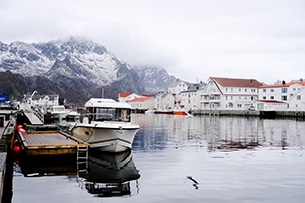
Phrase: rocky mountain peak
(83,62)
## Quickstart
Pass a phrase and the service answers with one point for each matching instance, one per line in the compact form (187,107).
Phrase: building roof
(282,85)
(122,95)
(140,99)
(236,82)
(175,83)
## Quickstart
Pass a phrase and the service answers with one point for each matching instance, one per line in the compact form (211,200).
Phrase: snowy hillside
(82,62)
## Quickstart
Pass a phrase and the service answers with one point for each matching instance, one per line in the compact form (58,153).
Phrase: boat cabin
(107,110)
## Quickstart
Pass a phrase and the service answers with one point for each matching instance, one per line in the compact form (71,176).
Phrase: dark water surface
(179,159)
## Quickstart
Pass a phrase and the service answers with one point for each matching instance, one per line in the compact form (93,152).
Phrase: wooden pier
(52,143)
(35,145)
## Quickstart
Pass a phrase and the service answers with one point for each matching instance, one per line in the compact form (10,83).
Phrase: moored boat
(180,112)
(164,111)
(106,125)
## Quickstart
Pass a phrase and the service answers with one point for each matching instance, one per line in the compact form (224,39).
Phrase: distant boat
(180,112)
(106,125)
(150,111)
(63,117)
(164,111)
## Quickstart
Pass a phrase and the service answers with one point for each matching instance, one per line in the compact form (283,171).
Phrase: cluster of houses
(223,94)
(217,94)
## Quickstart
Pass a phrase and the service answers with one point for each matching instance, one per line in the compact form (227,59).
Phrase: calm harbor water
(179,159)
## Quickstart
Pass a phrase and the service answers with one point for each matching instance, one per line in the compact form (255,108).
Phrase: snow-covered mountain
(78,63)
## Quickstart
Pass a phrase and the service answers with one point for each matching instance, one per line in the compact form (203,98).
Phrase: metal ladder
(82,158)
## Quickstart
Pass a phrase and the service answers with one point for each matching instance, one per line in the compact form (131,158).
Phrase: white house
(39,100)
(177,86)
(164,101)
(228,93)
(189,97)
(142,103)
(284,96)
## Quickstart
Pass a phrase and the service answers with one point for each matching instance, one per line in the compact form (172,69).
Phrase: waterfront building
(228,93)
(39,100)
(125,97)
(189,97)
(177,86)
(284,96)
(141,104)
(164,101)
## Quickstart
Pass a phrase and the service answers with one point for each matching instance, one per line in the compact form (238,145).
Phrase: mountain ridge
(74,65)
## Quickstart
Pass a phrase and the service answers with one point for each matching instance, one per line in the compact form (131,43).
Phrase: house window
(271,90)
(284,90)
(245,90)
(264,97)
(299,97)
(264,90)
(284,98)
(271,97)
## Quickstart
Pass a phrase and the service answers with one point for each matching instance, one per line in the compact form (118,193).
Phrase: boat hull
(106,138)
(183,113)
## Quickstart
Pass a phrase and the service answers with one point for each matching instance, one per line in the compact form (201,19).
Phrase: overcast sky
(191,39)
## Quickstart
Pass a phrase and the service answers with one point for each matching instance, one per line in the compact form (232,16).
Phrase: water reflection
(110,175)
(103,175)
(36,166)
(159,132)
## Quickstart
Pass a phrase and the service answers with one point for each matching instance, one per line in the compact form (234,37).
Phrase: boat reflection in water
(110,174)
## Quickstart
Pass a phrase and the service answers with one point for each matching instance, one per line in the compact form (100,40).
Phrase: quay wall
(257,113)
(6,160)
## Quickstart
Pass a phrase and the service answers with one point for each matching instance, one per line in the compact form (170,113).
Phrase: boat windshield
(109,114)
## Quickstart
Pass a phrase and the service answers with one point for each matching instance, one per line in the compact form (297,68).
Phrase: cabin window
(109,114)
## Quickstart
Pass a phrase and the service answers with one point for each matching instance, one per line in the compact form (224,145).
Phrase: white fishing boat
(63,117)
(106,125)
